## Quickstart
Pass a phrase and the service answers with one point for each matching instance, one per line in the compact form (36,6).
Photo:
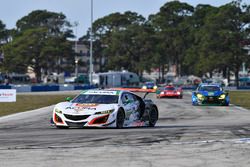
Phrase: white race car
(105,108)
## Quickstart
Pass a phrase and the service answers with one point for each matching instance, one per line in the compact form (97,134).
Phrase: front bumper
(210,100)
(80,121)
(169,95)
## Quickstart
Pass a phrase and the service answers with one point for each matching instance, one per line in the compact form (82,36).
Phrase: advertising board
(7,95)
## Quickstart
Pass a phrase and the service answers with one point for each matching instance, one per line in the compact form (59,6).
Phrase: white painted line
(26,114)
(239,108)
(240,141)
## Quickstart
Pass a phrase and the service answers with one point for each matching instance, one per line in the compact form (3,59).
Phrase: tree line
(197,40)
(40,42)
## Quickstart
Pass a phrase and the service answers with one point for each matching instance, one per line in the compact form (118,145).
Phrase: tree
(234,31)
(3,33)
(122,40)
(40,42)
(198,59)
(172,30)
(218,39)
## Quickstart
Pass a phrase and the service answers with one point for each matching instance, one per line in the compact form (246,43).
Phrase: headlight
(144,87)
(58,111)
(178,93)
(155,87)
(162,93)
(200,96)
(223,96)
(105,112)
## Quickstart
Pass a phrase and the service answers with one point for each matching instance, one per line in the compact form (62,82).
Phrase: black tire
(120,119)
(225,104)
(153,116)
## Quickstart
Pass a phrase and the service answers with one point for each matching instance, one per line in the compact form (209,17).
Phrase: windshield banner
(7,95)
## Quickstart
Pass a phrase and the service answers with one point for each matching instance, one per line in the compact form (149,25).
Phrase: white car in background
(105,108)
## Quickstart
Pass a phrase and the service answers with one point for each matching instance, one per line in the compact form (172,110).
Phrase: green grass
(30,102)
(240,98)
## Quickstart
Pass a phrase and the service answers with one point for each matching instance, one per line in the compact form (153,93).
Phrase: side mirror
(158,91)
(68,99)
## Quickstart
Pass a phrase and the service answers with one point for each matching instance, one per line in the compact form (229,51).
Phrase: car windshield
(100,99)
(209,88)
(149,83)
(170,88)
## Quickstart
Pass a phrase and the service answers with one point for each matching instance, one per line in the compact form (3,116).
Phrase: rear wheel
(120,119)
(153,116)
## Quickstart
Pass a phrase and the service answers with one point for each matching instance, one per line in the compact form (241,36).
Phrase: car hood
(83,109)
(207,93)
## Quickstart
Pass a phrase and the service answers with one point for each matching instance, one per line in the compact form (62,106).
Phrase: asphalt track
(185,135)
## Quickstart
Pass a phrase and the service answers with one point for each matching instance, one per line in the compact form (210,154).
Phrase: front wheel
(120,119)
(225,104)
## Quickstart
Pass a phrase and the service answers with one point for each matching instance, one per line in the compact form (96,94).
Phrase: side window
(127,98)
(199,88)
(124,98)
(134,97)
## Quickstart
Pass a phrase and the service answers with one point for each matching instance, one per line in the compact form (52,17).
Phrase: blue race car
(206,94)
(149,85)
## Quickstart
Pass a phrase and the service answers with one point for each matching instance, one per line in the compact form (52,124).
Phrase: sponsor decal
(139,123)
(103,92)
(210,93)
(86,105)
(81,107)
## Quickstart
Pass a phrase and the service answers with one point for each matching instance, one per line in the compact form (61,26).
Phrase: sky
(80,10)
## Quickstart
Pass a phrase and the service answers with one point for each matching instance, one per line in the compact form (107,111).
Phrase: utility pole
(91,69)
(76,56)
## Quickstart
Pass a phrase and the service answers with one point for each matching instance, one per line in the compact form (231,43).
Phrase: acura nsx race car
(170,91)
(105,108)
(210,94)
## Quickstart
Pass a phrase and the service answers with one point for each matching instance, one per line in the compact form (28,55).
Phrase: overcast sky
(79,10)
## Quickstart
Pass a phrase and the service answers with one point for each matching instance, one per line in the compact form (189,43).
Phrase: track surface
(185,135)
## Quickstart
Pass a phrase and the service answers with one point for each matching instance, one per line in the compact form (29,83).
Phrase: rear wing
(146,91)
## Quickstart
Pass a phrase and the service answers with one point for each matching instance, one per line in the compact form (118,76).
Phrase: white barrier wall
(22,88)
(66,87)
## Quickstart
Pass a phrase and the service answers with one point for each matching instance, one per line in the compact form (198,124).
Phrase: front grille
(212,99)
(76,117)
(75,124)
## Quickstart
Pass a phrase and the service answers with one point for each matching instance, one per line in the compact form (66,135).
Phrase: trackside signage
(7,95)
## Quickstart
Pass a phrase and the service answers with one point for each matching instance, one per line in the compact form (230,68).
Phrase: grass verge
(30,102)
(240,98)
